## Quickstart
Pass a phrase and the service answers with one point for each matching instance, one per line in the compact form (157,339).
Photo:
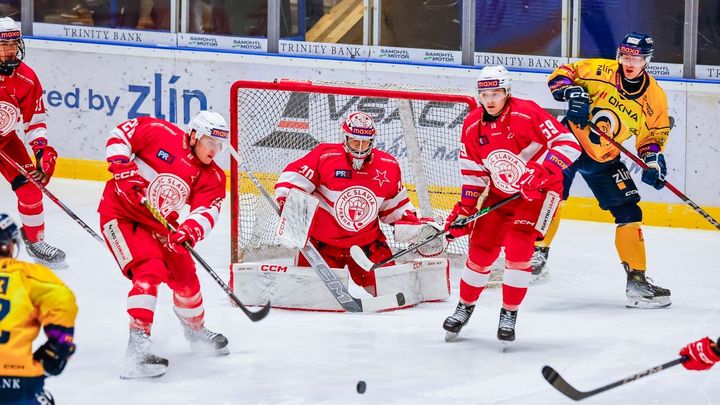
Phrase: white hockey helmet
(10,33)
(494,77)
(359,126)
(211,124)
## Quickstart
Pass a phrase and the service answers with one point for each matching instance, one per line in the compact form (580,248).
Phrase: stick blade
(256,316)
(559,383)
(361,258)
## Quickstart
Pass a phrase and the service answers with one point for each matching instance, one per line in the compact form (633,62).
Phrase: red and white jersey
(496,152)
(176,176)
(352,202)
(22,109)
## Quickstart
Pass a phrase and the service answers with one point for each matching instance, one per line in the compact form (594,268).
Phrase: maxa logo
(9,35)
(470,193)
(165,156)
(219,133)
(557,161)
(362,131)
(628,50)
(488,84)
(343,174)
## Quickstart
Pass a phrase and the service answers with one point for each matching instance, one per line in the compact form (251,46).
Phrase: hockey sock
(516,280)
(189,309)
(472,282)
(552,229)
(141,304)
(630,245)
(30,207)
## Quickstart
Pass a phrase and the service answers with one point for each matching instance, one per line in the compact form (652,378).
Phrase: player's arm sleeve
(392,209)
(34,116)
(475,177)
(563,147)
(54,301)
(122,141)
(654,136)
(303,174)
(206,200)
(561,78)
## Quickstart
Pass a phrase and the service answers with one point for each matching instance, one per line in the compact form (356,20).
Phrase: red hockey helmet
(359,126)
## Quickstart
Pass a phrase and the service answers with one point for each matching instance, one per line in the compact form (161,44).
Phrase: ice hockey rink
(576,322)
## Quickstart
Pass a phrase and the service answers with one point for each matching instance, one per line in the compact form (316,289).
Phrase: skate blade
(144,371)
(53,265)
(539,279)
(505,346)
(209,350)
(642,303)
(450,336)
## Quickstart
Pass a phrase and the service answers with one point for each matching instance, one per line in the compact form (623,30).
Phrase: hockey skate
(43,253)
(506,328)
(539,265)
(205,341)
(455,322)
(641,293)
(139,362)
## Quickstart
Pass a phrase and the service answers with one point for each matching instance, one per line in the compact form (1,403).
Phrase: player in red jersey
(512,146)
(171,167)
(22,108)
(358,186)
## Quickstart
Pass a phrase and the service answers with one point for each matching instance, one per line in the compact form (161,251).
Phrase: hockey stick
(566,389)
(254,316)
(318,264)
(669,185)
(363,261)
(51,196)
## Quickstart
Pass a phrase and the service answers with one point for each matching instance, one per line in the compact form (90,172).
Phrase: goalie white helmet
(359,137)
(10,36)
(210,124)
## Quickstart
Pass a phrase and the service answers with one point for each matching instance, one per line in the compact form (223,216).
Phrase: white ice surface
(576,323)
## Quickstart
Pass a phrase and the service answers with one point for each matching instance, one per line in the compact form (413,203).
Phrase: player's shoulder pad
(27,74)
(523,109)
(385,156)
(328,150)
(34,271)
(214,170)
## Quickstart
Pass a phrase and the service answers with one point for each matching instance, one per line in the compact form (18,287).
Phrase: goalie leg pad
(421,280)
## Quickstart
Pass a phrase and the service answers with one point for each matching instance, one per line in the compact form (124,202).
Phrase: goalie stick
(254,316)
(668,185)
(363,261)
(318,264)
(566,389)
(51,196)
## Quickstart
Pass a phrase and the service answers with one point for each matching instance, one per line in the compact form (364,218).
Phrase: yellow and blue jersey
(620,114)
(31,297)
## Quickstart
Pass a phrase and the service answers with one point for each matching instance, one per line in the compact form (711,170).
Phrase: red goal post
(275,123)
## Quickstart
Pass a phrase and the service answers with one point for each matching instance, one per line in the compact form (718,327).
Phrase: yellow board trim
(581,208)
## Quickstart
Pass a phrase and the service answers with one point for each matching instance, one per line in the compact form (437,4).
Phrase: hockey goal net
(275,123)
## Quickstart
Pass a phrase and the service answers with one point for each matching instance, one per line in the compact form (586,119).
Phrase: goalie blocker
(293,287)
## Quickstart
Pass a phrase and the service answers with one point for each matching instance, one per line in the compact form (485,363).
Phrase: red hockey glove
(700,354)
(189,232)
(128,182)
(45,157)
(459,212)
(55,353)
(539,179)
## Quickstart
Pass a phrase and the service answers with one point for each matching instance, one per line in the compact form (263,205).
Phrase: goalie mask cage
(275,123)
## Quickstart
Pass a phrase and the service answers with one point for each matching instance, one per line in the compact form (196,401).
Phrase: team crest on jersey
(505,168)
(9,117)
(356,208)
(168,193)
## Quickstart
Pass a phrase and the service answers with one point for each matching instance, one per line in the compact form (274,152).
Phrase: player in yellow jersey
(623,100)
(31,296)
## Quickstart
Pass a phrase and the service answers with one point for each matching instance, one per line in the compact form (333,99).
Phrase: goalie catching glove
(411,229)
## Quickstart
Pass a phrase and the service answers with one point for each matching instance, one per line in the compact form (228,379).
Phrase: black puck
(361,386)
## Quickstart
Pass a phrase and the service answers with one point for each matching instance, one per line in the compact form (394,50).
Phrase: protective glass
(633,60)
(211,143)
(492,95)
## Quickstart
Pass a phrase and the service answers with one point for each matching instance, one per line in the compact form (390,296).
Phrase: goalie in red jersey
(357,186)
(170,167)
(508,146)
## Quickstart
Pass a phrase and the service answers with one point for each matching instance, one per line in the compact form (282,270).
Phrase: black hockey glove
(55,353)
(578,106)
